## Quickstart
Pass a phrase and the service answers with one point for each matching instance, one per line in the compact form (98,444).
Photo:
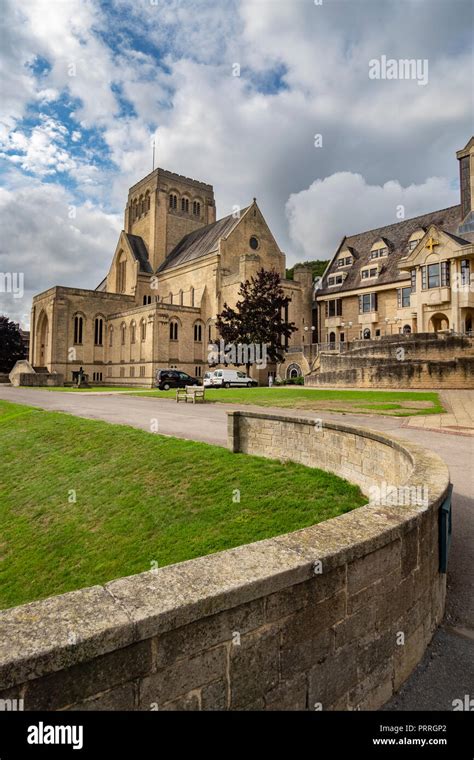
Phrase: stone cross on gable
(431,244)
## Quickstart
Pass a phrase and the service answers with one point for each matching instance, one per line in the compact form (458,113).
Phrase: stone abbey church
(173,269)
(175,266)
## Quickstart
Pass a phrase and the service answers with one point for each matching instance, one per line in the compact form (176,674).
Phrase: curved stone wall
(334,616)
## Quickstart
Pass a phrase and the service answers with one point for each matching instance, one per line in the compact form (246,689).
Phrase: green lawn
(393,403)
(140,498)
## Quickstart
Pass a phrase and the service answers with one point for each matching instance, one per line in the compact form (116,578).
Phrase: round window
(253,242)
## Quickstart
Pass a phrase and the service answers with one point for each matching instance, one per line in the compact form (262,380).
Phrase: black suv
(174,378)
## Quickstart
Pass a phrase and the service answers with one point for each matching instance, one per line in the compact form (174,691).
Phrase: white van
(207,379)
(230,378)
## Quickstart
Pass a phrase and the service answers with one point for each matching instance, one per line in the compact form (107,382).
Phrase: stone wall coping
(150,307)
(55,633)
(61,290)
(395,443)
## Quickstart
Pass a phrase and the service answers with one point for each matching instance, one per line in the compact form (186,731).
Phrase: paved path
(447,670)
(459,418)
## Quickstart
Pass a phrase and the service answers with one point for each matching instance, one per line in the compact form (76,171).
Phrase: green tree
(12,347)
(258,317)
(317,268)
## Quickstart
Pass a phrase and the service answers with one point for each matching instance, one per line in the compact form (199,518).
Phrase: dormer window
(378,252)
(379,248)
(414,239)
(344,261)
(370,272)
(345,258)
(336,279)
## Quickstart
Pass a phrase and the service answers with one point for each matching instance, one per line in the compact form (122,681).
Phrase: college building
(413,276)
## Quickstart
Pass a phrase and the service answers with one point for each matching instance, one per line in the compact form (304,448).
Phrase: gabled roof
(138,248)
(457,239)
(201,242)
(397,236)
(413,257)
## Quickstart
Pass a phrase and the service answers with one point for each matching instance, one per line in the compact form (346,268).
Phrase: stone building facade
(414,276)
(175,266)
(173,269)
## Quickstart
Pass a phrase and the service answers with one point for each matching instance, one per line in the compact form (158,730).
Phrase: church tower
(164,207)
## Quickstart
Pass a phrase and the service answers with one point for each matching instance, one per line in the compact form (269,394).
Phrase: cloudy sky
(88,84)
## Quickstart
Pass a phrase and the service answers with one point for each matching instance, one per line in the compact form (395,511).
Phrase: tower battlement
(164,207)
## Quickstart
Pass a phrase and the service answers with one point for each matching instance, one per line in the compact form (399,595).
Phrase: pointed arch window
(173,330)
(98,331)
(123,330)
(185,205)
(133,331)
(196,208)
(173,201)
(143,330)
(111,336)
(197,332)
(122,273)
(78,329)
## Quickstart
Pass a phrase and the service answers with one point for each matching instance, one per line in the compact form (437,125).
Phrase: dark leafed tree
(259,317)
(11,344)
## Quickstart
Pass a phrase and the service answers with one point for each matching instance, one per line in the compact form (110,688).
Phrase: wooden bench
(192,393)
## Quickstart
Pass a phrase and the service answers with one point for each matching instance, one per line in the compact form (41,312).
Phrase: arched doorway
(468,324)
(42,332)
(439,322)
(332,340)
(407,330)
(293,371)
(366,334)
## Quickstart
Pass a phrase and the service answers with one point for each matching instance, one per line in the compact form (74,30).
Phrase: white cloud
(52,242)
(42,152)
(345,204)
(174,66)
(65,34)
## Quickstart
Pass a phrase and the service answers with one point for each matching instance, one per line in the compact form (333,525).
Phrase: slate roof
(396,236)
(140,252)
(200,242)
(457,239)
